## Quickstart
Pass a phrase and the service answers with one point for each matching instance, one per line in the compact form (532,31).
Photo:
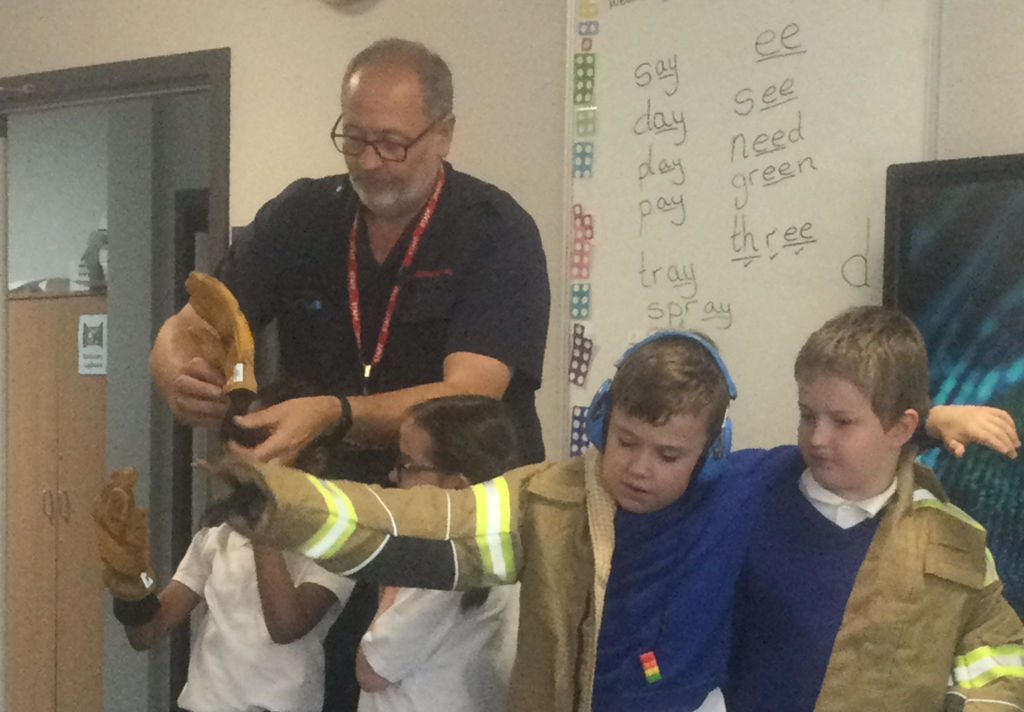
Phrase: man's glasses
(386,149)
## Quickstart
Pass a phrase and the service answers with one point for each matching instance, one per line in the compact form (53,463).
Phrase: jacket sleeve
(988,672)
(425,537)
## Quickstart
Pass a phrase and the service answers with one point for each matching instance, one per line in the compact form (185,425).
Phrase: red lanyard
(353,283)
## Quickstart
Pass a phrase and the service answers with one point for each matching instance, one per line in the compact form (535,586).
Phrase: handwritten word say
(664,71)
(750,246)
(677,314)
(680,276)
(671,167)
(775,45)
(774,95)
(672,206)
(659,122)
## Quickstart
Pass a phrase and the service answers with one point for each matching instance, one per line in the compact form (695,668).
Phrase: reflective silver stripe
(371,557)
(983,665)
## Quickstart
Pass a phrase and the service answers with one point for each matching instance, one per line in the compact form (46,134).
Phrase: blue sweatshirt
(671,588)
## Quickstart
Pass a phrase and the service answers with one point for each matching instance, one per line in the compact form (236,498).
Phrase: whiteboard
(729,161)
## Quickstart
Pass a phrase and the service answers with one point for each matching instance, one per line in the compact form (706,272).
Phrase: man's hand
(292,424)
(959,425)
(196,394)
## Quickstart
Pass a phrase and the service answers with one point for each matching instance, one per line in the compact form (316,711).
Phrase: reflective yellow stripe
(350,510)
(329,522)
(481,527)
(924,498)
(983,665)
(991,575)
(339,525)
(493,526)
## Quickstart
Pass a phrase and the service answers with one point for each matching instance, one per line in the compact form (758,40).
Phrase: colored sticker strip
(650,664)
(579,306)
(582,159)
(579,358)
(583,78)
(583,223)
(586,122)
(580,259)
(578,440)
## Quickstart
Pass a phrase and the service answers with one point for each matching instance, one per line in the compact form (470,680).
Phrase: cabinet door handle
(48,504)
(64,504)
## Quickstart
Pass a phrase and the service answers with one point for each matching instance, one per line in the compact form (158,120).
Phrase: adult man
(471,311)
(400,281)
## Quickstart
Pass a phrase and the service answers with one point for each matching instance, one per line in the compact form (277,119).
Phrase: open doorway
(116,187)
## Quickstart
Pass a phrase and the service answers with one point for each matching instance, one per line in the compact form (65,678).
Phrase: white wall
(287,60)
(981,82)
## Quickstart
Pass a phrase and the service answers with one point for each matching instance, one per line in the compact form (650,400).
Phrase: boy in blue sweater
(862,587)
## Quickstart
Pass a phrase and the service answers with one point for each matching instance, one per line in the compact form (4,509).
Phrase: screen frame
(902,177)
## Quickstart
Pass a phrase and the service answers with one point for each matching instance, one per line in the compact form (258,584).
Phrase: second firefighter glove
(217,306)
(122,537)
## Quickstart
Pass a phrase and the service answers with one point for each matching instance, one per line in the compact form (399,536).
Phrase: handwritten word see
(772,96)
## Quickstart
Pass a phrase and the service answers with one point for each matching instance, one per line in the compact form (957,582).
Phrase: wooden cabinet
(56,464)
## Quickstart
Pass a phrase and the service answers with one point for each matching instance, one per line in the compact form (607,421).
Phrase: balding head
(435,78)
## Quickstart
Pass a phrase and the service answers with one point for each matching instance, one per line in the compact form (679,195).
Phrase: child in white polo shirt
(260,642)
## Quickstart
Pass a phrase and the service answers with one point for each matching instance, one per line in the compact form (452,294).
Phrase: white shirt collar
(843,512)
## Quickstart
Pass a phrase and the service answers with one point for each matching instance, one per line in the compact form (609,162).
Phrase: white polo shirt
(234,665)
(441,658)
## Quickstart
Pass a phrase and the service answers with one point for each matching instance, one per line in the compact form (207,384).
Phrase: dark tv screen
(955,264)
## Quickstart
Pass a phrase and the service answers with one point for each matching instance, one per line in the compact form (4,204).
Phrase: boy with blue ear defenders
(627,564)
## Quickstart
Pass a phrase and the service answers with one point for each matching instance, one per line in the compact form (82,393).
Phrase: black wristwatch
(340,427)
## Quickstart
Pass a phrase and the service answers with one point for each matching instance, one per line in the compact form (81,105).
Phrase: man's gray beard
(386,203)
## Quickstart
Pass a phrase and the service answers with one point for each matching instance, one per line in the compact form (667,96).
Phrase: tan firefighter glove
(122,537)
(228,346)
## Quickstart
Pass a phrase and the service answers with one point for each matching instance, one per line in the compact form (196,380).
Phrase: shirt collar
(829,503)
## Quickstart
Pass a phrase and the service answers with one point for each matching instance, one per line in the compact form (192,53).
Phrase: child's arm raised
(176,601)
(959,425)
(122,542)
(290,610)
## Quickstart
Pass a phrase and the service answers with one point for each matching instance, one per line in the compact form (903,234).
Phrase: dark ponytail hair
(470,435)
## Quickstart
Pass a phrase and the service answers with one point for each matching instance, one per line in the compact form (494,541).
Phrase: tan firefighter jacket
(928,586)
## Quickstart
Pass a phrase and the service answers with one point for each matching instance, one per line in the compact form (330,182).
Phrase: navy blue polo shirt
(478,283)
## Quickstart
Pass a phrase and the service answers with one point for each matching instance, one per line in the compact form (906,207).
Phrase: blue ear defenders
(601,406)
